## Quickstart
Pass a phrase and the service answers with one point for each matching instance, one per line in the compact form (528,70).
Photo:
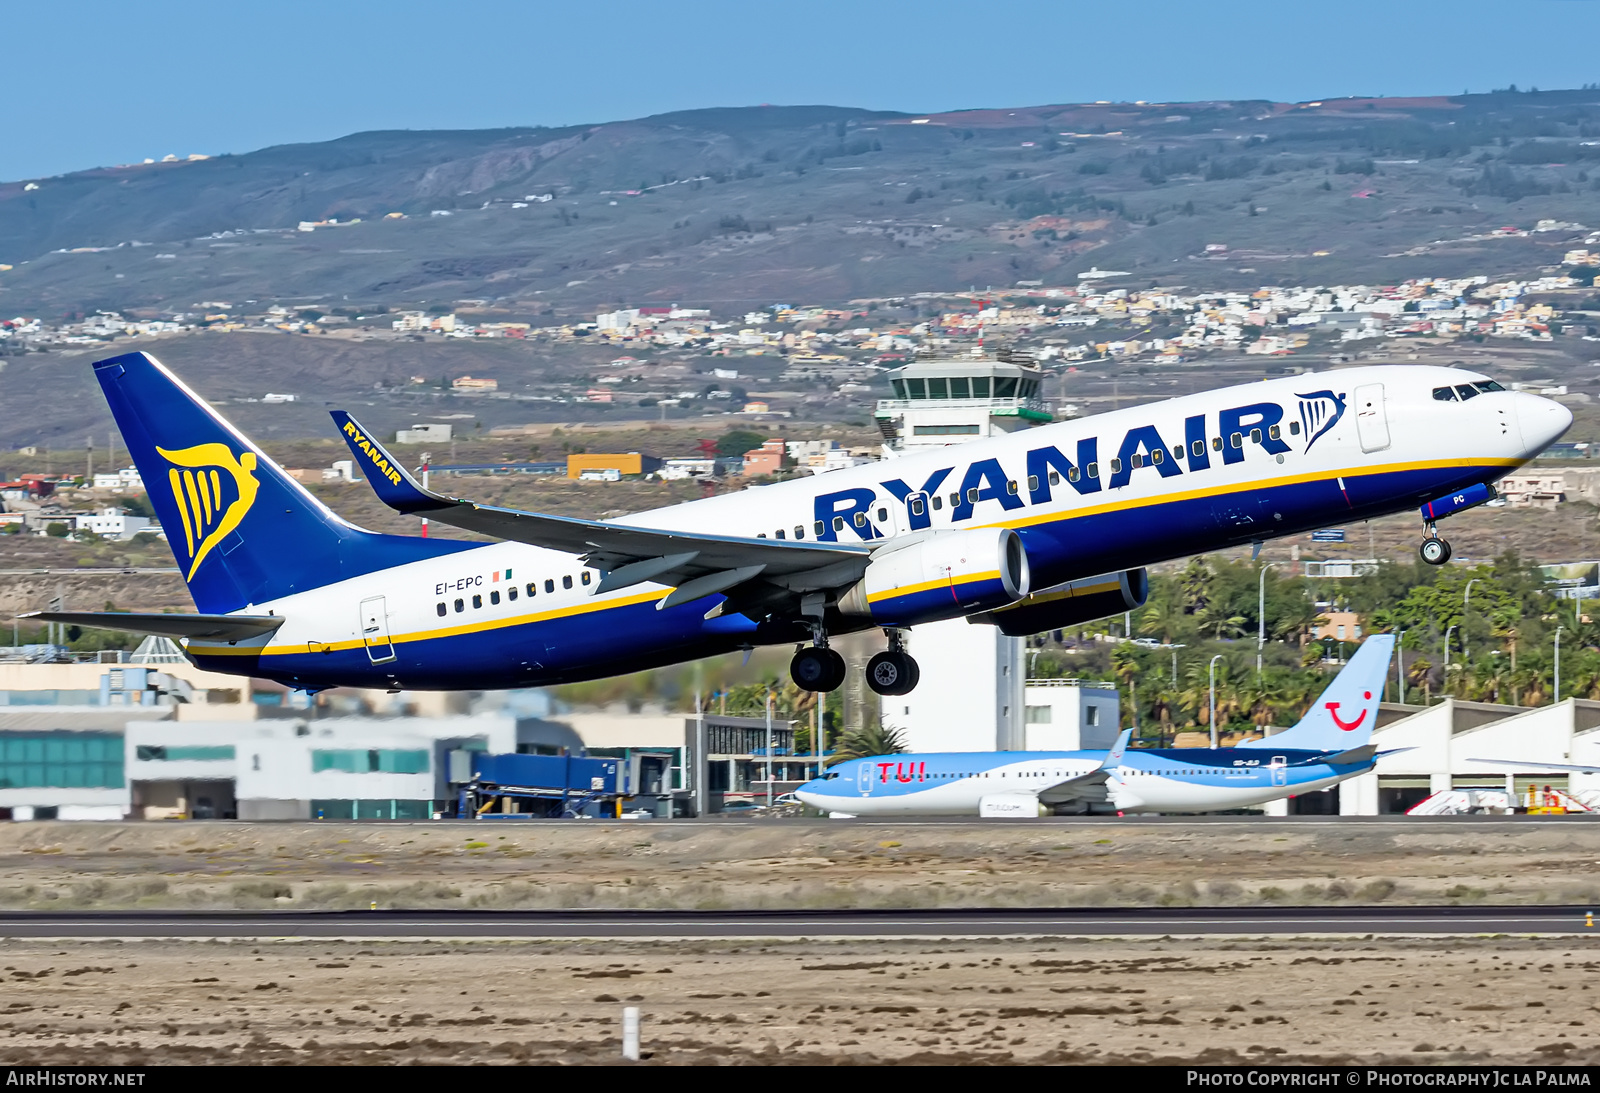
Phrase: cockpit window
(1444,394)
(1487,385)
(1466,391)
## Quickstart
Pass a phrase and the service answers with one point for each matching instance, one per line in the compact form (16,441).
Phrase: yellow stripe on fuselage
(298,648)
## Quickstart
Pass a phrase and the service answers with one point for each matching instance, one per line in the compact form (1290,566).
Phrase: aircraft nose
(1541,420)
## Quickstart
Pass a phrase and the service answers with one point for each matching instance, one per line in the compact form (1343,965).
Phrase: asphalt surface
(1146,921)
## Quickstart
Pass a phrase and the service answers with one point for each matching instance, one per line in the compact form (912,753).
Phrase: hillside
(736,207)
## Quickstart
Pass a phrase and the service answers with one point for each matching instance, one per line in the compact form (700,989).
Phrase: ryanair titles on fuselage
(1049,468)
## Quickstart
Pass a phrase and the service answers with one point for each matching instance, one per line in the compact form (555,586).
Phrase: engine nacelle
(1071,604)
(941,576)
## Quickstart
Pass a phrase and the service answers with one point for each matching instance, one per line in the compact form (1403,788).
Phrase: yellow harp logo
(213,491)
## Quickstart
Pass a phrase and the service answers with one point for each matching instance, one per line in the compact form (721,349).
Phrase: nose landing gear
(1434,550)
(893,671)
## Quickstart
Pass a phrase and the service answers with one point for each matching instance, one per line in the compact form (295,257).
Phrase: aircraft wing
(1091,786)
(215,627)
(1534,768)
(698,564)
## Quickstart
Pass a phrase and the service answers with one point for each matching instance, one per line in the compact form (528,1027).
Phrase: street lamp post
(1261,614)
(1466,604)
(1399,668)
(1558,663)
(1175,649)
(769,748)
(1445,682)
(1211,671)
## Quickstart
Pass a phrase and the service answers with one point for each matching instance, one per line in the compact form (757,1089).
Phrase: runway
(1068,922)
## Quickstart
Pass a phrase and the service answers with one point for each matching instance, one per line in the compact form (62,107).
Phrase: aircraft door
(375,630)
(919,511)
(1279,766)
(1372,421)
(864,779)
(889,516)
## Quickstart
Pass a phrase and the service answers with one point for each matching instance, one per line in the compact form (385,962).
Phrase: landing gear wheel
(817,669)
(1434,551)
(892,672)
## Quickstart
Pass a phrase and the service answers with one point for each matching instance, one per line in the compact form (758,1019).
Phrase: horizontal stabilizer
(1364,754)
(214,627)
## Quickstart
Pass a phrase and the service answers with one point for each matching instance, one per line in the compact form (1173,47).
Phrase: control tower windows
(980,386)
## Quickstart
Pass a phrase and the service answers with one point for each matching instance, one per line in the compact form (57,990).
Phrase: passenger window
(799,531)
(917,507)
(1198,447)
(1116,465)
(1093,470)
(1072,476)
(1255,436)
(1136,460)
(938,502)
(1236,440)
(1294,428)
(955,500)
(819,527)
(838,523)
(477,602)
(1275,432)
(1216,444)
(494,597)
(511,593)
(761,535)
(1156,456)
(441,609)
(566,582)
(1011,487)
(549,585)
(972,495)
(883,515)
(861,519)
(1033,483)
(779,534)
(1466,391)
(1055,479)
(533,587)
(586,577)
(1444,394)
(460,606)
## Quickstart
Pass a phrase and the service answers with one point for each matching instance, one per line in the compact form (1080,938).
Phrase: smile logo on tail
(1347,726)
(1319,412)
(213,490)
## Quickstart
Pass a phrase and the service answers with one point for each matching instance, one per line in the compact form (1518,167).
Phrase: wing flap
(214,627)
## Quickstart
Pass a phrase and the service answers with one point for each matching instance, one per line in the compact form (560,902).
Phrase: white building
(1070,715)
(113,523)
(970,696)
(423,434)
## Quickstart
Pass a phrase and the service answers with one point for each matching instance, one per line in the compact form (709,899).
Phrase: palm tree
(864,742)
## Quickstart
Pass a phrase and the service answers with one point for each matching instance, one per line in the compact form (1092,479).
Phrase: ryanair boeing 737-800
(1031,531)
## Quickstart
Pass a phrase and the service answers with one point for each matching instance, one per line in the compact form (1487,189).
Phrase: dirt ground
(1157,1000)
(793,863)
(1222,1000)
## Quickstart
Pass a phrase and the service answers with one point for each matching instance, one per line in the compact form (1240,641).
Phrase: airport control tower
(970,697)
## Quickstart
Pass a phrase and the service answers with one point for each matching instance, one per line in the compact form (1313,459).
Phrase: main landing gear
(893,671)
(819,668)
(1434,550)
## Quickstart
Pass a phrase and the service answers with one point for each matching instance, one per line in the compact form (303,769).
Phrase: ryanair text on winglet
(378,460)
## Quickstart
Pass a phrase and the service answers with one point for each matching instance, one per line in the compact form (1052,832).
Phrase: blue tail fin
(243,532)
(1342,717)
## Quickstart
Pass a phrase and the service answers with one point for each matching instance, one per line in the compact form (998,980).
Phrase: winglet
(390,481)
(1113,757)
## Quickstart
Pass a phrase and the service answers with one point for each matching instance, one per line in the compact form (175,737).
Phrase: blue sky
(94,83)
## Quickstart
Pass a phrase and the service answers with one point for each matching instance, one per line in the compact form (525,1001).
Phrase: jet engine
(943,575)
(1070,604)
